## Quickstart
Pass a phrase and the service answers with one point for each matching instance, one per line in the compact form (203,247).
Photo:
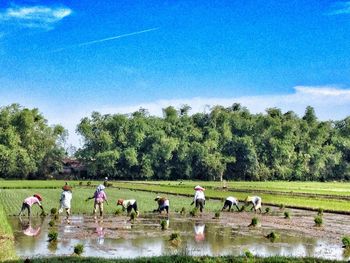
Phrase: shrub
(51,223)
(79,249)
(53,211)
(52,236)
(267,210)
(194,211)
(346,242)
(320,212)
(217,214)
(164,224)
(272,236)
(255,221)
(286,215)
(318,220)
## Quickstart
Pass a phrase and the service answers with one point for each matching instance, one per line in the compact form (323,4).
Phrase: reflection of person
(199,232)
(255,201)
(100,233)
(129,205)
(199,198)
(229,202)
(100,196)
(28,230)
(65,200)
(29,201)
(163,204)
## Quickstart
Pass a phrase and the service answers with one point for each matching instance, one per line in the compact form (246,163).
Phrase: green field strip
(339,206)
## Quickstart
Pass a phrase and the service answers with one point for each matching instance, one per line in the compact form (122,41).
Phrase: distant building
(72,169)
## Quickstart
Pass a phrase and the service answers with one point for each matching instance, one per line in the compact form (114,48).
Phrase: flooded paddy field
(117,236)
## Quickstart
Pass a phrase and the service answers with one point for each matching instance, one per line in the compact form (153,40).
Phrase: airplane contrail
(105,39)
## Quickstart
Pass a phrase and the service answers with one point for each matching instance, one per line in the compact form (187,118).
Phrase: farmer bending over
(128,205)
(255,201)
(163,204)
(100,196)
(29,201)
(199,198)
(229,202)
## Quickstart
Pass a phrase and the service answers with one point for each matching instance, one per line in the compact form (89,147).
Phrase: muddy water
(118,237)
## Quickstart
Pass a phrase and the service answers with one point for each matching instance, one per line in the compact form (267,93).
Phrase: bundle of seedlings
(255,222)
(318,221)
(175,239)
(272,236)
(78,249)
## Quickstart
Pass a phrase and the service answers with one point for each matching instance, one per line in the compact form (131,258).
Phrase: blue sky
(285,54)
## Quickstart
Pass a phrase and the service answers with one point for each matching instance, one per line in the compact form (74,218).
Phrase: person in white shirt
(65,200)
(255,201)
(229,202)
(199,198)
(129,205)
(163,204)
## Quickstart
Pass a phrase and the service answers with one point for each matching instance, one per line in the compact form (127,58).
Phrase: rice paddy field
(330,196)
(223,233)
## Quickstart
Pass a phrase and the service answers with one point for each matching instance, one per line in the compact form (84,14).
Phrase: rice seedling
(52,223)
(217,214)
(78,249)
(346,242)
(175,239)
(52,235)
(254,222)
(53,211)
(286,215)
(194,211)
(320,212)
(164,224)
(318,221)
(272,236)
(267,210)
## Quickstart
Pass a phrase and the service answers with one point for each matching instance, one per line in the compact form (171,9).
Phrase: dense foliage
(29,148)
(226,143)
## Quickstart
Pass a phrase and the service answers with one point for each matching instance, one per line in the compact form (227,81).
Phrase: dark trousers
(166,208)
(200,204)
(131,207)
(24,207)
(228,204)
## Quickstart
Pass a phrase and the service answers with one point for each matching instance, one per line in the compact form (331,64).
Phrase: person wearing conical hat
(100,197)
(255,201)
(229,202)
(163,204)
(29,201)
(199,198)
(129,205)
(65,200)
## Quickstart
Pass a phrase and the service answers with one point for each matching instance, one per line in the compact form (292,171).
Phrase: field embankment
(181,259)
(7,249)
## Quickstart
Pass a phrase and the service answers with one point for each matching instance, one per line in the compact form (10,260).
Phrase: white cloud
(340,8)
(35,16)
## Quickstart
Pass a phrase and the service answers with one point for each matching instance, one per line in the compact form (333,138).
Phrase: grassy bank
(182,259)
(6,238)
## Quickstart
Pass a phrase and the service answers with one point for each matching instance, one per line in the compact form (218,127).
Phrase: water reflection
(29,228)
(199,235)
(115,237)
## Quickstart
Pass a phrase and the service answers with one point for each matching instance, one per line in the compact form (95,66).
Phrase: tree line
(29,147)
(224,143)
